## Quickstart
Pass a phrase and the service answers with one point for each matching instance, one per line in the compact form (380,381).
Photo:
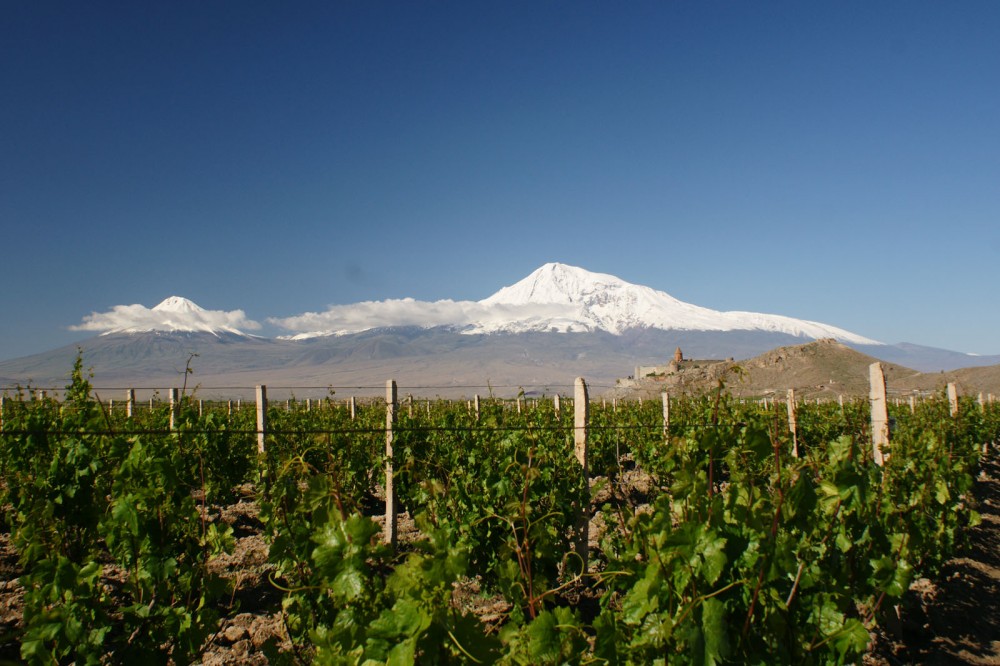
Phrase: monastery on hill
(674,366)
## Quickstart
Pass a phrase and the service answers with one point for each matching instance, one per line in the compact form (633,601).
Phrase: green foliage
(744,553)
(156,533)
(757,557)
(508,498)
(84,499)
(347,595)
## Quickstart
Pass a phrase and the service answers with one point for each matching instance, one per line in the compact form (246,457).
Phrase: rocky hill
(821,369)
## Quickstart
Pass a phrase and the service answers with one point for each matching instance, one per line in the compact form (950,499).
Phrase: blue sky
(838,162)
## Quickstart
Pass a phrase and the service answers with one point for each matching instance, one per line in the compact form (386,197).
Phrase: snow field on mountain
(554,298)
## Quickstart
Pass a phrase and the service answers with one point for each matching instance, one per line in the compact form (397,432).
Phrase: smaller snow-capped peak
(178,304)
(176,313)
(172,315)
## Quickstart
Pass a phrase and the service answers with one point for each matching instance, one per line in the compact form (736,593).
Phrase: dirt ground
(954,619)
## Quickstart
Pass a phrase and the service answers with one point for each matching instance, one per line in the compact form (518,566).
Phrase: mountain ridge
(554,298)
(600,301)
(559,298)
(604,327)
(435,362)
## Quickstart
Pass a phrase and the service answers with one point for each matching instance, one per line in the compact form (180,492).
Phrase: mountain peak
(571,299)
(555,283)
(174,314)
(177,304)
(558,297)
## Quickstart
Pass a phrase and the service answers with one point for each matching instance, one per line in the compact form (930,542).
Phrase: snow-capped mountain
(557,297)
(603,328)
(172,315)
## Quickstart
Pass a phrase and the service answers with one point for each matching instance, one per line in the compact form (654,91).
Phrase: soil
(953,619)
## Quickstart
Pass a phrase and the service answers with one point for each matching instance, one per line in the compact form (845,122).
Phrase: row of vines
(732,551)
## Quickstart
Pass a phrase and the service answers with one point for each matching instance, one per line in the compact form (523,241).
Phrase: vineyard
(721,536)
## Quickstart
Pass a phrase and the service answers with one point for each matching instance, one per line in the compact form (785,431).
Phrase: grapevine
(737,551)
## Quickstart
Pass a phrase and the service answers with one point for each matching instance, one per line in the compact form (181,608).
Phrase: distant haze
(537,335)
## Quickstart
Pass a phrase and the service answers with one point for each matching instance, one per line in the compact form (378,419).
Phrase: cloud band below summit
(356,317)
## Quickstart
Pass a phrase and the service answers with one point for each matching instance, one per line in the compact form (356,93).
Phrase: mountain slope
(558,323)
(444,362)
(555,298)
(821,369)
(970,381)
(579,300)
(927,359)
(818,368)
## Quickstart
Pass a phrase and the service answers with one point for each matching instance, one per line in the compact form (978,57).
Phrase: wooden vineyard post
(555,403)
(666,414)
(953,399)
(175,408)
(353,406)
(880,413)
(261,416)
(989,400)
(982,410)
(913,404)
(130,403)
(409,405)
(201,408)
(476,402)
(3,401)
(581,413)
(390,491)
(518,404)
(792,424)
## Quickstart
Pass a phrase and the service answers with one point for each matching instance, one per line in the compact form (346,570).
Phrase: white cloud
(173,314)
(342,319)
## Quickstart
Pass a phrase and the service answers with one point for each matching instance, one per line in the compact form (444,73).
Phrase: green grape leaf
(714,631)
